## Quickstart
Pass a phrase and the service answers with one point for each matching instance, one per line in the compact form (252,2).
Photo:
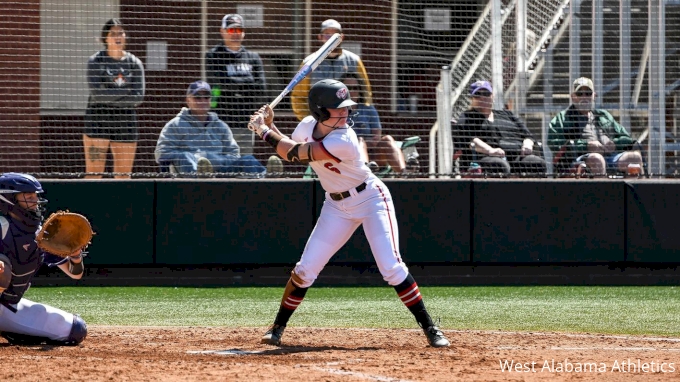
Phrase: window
(69,35)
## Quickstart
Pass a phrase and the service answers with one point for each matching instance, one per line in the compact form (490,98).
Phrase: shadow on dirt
(282,350)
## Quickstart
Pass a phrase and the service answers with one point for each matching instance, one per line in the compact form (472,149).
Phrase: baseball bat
(309,66)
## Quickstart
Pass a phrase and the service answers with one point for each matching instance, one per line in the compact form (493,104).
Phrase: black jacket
(238,83)
(507,132)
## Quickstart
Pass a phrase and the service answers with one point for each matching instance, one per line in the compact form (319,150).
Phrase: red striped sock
(292,302)
(411,295)
(289,304)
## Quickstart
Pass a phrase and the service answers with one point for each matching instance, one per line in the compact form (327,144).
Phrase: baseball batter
(24,322)
(354,197)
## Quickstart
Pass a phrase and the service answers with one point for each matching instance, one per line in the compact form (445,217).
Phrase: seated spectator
(377,148)
(583,134)
(197,141)
(501,140)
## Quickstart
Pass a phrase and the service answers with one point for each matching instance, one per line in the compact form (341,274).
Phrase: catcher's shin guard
(78,331)
(76,336)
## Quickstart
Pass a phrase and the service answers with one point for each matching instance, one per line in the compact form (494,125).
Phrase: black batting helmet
(328,94)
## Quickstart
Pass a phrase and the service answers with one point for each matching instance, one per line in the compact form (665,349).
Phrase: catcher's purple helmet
(13,183)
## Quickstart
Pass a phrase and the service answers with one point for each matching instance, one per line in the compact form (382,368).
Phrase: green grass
(615,310)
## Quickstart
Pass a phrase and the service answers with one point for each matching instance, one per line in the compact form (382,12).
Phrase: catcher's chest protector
(21,249)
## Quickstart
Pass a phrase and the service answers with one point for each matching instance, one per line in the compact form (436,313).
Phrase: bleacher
(559,48)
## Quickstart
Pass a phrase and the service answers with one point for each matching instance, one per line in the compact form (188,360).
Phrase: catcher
(24,322)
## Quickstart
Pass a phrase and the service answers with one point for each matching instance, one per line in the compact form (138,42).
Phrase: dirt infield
(311,354)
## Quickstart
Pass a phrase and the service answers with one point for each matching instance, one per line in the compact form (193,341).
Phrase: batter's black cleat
(273,335)
(435,337)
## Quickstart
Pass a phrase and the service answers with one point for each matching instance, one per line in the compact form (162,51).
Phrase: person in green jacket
(583,134)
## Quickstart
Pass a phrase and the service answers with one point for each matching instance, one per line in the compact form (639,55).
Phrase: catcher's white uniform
(354,196)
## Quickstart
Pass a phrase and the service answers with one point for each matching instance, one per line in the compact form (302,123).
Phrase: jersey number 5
(329,166)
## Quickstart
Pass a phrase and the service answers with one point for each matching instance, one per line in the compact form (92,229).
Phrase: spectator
(196,140)
(22,321)
(116,81)
(239,84)
(338,62)
(598,140)
(382,148)
(500,137)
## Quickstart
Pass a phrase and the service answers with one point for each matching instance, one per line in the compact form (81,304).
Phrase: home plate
(226,352)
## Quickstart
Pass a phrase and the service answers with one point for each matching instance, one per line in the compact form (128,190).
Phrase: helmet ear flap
(325,114)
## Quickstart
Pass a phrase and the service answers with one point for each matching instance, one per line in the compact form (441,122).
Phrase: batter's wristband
(272,138)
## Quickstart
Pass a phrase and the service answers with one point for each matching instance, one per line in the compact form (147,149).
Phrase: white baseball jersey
(346,170)
(371,207)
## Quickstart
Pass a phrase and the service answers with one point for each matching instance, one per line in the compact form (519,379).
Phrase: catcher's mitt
(64,233)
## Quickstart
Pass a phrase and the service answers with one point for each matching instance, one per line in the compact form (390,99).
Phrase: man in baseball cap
(328,29)
(583,82)
(199,86)
(198,141)
(502,142)
(583,94)
(583,134)
(232,20)
(338,63)
(331,24)
(479,86)
(482,97)
(237,78)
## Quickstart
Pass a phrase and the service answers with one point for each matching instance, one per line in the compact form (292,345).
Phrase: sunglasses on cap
(234,30)
(584,93)
(480,94)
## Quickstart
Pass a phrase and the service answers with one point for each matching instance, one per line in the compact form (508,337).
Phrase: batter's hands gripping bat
(309,66)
